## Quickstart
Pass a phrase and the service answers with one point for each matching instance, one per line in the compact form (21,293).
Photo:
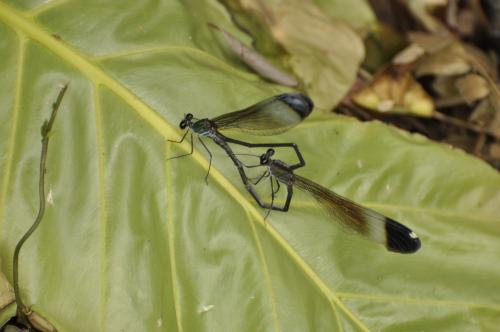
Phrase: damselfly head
(186,122)
(266,157)
(299,102)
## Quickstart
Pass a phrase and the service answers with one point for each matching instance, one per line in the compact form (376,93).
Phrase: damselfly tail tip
(400,238)
(301,103)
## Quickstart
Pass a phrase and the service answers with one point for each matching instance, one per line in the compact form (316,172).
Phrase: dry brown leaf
(395,90)
(457,90)
(445,86)
(408,55)
(472,87)
(494,124)
(481,62)
(452,14)
(486,115)
(430,43)
(448,61)
(40,323)
(421,9)
(449,56)
(433,44)
(324,53)
(482,114)
(495,151)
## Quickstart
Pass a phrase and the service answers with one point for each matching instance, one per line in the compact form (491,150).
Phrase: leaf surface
(133,242)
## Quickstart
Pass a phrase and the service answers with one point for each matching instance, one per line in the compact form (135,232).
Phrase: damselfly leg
(210,160)
(178,142)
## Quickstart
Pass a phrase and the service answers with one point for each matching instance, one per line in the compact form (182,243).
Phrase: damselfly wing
(364,221)
(270,116)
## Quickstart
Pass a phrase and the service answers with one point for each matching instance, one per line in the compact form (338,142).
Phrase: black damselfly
(371,224)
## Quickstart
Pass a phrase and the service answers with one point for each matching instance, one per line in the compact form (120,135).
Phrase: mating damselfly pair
(276,115)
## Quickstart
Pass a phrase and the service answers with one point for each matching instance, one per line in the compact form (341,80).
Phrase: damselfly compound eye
(183,124)
(189,116)
(263,159)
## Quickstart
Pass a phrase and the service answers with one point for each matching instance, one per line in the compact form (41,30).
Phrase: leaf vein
(421,301)
(171,240)
(267,275)
(102,215)
(337,319)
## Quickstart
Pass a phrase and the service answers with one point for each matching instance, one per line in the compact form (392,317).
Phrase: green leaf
(133,242)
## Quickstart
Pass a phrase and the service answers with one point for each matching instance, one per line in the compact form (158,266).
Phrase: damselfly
(370,224)
(268,117)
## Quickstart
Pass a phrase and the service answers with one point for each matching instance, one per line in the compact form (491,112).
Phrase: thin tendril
(45,131)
